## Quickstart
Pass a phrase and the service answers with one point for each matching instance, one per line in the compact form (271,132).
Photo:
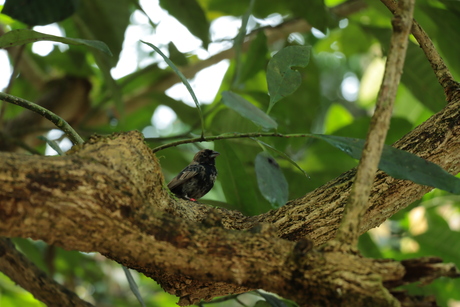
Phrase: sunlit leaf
(248,110)
(271,180)
(282,79)
(399,164)
(25,36)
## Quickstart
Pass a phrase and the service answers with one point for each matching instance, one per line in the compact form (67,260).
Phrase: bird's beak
(214,154)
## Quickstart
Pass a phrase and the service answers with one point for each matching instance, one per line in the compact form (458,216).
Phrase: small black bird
(197,178)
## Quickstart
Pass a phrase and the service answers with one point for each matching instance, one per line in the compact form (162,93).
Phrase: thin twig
(227,136)
(357,203)
(55,119)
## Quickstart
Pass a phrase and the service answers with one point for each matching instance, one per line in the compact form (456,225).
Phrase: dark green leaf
(368,248)
(248,110)
(284,155)
(271,180)
(256,58)
(39,12)
(24,36)
(237,7)
(282,79)
(316,13)
(176,56)
(238,186)
(399,164)
(447,22)
(191,15)
(105,21)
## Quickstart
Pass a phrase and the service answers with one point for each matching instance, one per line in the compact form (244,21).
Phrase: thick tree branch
(23,272)
(109,196)
(357,203)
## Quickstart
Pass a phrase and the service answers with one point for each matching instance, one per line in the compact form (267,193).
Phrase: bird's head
(205,156)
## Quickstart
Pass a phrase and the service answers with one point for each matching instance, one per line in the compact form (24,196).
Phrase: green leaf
(256,58)
(248,110)
(103,20)
(399,164)
(282,79)
(271,180)
(316,13)
(184,81)
(284,155)
(176,56)
(191,15)
(446,22)
(39,12)
(238,186)
(368,248)
(24,36)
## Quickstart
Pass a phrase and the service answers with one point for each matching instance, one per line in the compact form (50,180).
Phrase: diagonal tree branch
(357,203)
(23,272)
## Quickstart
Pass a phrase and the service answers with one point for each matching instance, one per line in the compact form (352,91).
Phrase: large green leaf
(238,187)
(271,180)
(256,58)
(39,12)
(314,12)
(105,21)
(399,164)
(25,36)
(282,79)
(248,110)
(190,14)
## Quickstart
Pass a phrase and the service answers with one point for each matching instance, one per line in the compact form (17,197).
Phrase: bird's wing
(189,172)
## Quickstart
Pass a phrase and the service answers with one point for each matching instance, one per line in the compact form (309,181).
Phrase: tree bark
(109,196)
